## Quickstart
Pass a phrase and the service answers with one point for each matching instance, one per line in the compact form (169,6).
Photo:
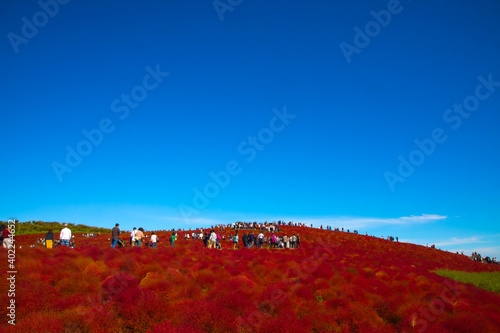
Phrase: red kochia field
(336,282)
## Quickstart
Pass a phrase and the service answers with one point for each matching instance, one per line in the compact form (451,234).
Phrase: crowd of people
(390,238)
(211,239)
(65,238)
(258,239)
(252,235)
(139,238)
(487,260)
(91,234)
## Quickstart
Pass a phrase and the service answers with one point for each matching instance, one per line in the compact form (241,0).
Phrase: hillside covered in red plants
(336,282)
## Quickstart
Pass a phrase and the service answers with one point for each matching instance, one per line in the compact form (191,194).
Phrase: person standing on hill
(235,241)
(297,241)
(2,228)
(132,236)
(172,239)
(274,241)
(115,234)
(244,238)
(251,240)
(286,240)
(139,235)
(65,235)
(205,239)
(212,240)
(260,240)
(49,239)
(6,243)
(154,240)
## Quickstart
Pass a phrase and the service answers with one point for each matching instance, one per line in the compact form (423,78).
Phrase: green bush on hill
(38,227)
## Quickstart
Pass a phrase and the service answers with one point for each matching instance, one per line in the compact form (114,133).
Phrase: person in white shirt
(132,236)
(154,240)
(212,240)
(65,235)
(261,240)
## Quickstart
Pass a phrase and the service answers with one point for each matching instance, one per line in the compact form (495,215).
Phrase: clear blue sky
(311,109)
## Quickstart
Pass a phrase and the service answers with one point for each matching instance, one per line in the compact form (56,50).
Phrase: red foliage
(336,282)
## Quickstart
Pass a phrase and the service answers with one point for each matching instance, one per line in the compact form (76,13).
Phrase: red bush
(335,282)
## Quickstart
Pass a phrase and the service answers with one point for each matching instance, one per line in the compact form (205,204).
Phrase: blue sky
(380,116)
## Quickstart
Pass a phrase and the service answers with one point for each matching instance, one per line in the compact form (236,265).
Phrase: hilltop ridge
(35,227)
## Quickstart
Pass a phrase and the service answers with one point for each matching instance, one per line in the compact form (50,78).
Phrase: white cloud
(367,222)
(423,218)
(459,241)
(154,217)
(492,251)
(467,245)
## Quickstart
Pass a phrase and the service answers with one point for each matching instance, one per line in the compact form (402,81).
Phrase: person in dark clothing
(245,239)
(205,239)
(49,239)
(115,234)
(251,240)
(2,228)
(173,238)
